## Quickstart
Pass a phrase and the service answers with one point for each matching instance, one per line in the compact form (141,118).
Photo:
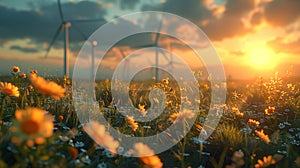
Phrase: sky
(252,37)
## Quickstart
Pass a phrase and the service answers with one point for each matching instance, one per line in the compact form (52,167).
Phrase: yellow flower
(267,161)
(235,109)
(47,88)
(142,109)
(146,155)
(9,89)
(253,122)
(187,114)
(269,110)
(134,125)
(29,87)
(240,114)
(15,69)
(33,71)
(100,136)
(32,125)
(165,81)
(263,136)
(23,75)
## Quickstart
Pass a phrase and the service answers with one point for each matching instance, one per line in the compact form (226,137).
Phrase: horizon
(258,39)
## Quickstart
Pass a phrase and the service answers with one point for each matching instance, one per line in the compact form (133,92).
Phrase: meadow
(259,125)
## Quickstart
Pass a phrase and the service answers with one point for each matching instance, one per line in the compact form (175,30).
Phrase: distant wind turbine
(156,45)
(65,25)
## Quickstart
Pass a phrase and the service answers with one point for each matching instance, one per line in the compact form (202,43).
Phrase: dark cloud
(256,18)
(128,4)
(217,28)
(41,23)
(279,46)
(24,49)
(282,12)
(238,8)
(193,10)
(230,24)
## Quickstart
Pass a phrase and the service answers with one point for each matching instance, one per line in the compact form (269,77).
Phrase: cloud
(128,4)
(282,12)
(41,23)
(228,24)
(286,47)
(238,53)
(256,18)
(24,49)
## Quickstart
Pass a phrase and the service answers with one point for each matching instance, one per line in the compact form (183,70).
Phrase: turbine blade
(158,33)
(164,54)
(60,11)
(87,20)
(145,46)
(122,52)
(80,32)
(54,39)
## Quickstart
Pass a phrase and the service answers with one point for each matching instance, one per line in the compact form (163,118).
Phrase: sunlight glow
(262,58)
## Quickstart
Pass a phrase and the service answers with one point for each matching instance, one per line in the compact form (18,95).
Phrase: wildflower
(269,110)
(33,125)
(235,109)
(142,109)
(46,87)
(15,69)
(165,81)
(146,155)
(61,117)
(33,72)
(73,152)
(240,114)
(187,114)
(134,125)
(9,89)
(253,122)
(30,87)
(263,136)
(267,161)
(97,132)
(23,75)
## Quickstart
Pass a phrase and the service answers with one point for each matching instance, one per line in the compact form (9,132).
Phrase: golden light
(262,58)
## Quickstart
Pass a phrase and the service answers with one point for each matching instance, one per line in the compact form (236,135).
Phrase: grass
(70,145)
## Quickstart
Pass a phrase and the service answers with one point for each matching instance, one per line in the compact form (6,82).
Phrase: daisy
(100,136)
(263,136)
(15,69)
(265,162)
(146,155)
(48,88)
(9,89)
(187,114)
(33,126)
(134,125)
(269,110)
(253,122)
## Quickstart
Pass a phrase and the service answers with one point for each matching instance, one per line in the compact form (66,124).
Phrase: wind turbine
(155,44)
(171,62)
(65,25)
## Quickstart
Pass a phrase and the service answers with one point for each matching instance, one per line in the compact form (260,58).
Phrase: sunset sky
(252,37)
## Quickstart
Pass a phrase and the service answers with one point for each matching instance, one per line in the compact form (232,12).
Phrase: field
(259,124)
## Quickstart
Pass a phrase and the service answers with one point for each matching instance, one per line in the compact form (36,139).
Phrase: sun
(262,58)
